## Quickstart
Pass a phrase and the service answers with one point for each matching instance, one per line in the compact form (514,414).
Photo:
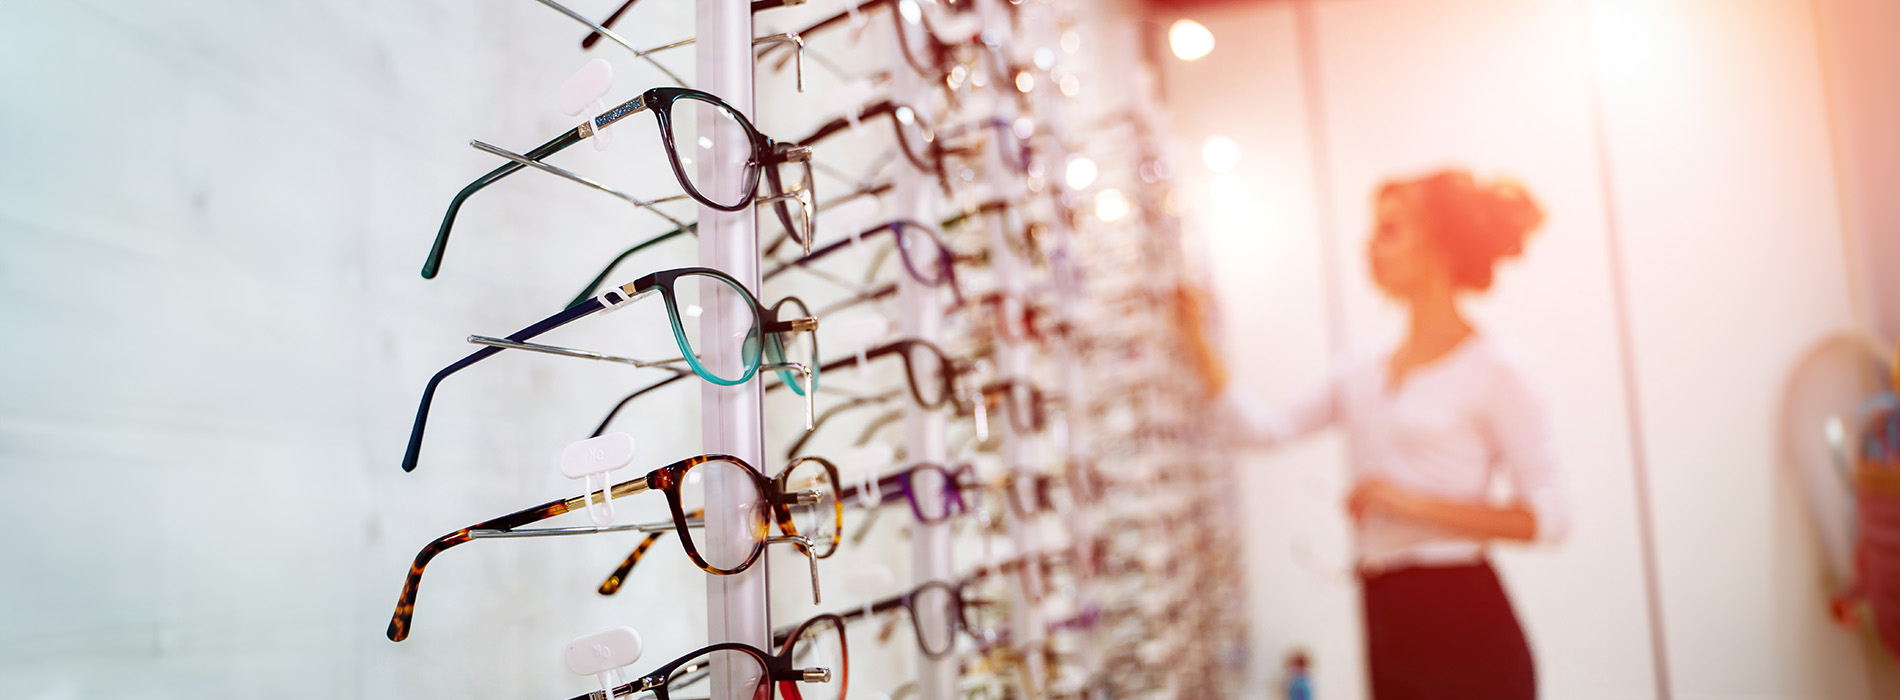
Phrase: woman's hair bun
(1475,224)
(1512,211)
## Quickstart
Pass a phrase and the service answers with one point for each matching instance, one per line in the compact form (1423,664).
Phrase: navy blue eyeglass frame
(661,282)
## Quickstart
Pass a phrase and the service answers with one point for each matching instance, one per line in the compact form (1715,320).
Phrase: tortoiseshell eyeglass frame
(666,479)
(781,515)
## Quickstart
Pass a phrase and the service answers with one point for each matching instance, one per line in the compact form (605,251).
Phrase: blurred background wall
(1713,173)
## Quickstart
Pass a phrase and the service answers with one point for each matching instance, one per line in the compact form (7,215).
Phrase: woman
(1431,425)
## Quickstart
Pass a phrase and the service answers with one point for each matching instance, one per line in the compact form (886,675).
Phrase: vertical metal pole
(731,419)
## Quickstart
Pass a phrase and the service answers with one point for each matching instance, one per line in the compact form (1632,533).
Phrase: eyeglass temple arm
(886,485)
(433,264)
(570,175)
(877,424)
(627,689)
(818,26)
(600,30)
(593,286)
(615,411)
(829,248)
(827,205)
(611,585)
(758,6)
(792,452)
(414,451)
(581,354)
(810,393)
(400,621)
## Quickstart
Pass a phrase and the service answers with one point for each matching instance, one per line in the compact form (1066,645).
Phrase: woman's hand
(1513,522)
(1376,494)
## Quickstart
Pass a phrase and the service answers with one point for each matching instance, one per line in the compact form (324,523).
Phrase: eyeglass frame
(614,298)
(666,480)
(780,673)
(782,516)
(766,155)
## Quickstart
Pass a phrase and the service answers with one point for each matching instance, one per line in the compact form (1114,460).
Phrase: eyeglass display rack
(1093,553)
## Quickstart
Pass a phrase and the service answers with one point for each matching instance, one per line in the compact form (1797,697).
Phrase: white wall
(213,216)
(1724,194)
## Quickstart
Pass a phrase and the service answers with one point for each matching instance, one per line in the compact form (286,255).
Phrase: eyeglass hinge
(615,297)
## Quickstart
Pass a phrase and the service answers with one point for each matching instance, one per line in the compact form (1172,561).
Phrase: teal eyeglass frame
(752,349)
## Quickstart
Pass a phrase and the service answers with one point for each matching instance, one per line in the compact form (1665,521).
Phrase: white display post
(1013,364)
(914,196)
(730,417)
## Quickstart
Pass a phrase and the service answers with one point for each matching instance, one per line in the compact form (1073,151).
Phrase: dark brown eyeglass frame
(666,479)
(941,53)
(766,156)
(1038,404)
(927,157)
(781,675)
(1026,326)
(903,348)
(908,601)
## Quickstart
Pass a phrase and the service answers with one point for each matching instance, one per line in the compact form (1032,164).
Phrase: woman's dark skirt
(1444,632)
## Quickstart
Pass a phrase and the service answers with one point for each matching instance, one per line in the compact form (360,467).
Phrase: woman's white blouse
(1456,429)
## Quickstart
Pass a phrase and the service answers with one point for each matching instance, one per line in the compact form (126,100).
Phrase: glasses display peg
(864,464)
(593,460)
(1059,433)
(856,92)
(858,22)
(869,583)
(604,655)
(585,92)
(858,330)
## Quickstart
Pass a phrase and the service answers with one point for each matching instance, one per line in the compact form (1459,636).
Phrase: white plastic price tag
(856,214)
(868,583)
(853,94)
(584,90)
(863,465)
(603,655)
(592,461)
(857,329)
